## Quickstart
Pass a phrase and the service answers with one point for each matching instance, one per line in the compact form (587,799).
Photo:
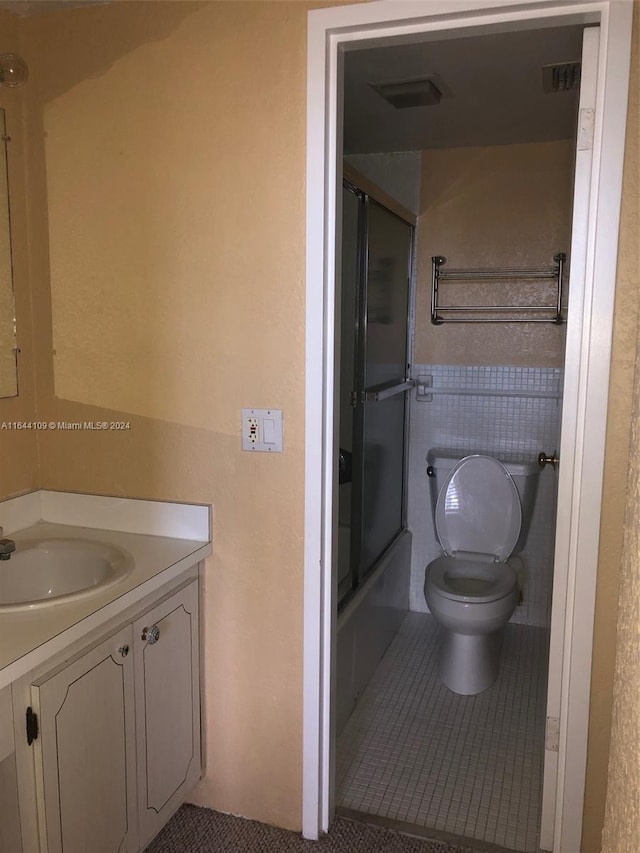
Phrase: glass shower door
(375,283)
(384,381)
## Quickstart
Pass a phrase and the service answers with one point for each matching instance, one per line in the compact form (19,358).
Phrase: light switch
(269,431)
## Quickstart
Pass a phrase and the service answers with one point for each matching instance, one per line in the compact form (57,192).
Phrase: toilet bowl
(471,590)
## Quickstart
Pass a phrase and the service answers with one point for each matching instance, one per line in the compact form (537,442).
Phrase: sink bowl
(44,572)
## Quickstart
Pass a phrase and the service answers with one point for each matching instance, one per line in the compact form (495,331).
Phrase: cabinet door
(167,708)
(86,752)
(10,841)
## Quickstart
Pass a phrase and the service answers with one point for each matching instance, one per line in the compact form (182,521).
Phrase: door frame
(330,31)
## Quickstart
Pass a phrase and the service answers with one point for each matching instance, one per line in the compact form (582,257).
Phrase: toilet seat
(478,514)
(470,581)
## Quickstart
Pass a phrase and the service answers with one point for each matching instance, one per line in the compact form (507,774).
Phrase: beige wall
(504,205)
(18,450)
(622,825)
(622,822)
(166,210)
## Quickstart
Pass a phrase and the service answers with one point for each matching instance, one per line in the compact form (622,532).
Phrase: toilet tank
(525,473)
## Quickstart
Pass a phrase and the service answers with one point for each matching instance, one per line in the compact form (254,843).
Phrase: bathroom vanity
(100,695)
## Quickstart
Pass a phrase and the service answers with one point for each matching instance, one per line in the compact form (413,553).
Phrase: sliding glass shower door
(376,276)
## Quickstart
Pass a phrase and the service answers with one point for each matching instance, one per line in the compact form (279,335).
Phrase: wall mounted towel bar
(489,313)
(425,390)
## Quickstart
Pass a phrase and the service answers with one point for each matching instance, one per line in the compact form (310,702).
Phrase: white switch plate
(262,430)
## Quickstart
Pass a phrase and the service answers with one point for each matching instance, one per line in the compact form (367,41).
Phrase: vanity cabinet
(118,745)
(86,751)
(10,841)
(167,692)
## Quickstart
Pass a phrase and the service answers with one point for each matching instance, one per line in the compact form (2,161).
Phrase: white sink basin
(44,572)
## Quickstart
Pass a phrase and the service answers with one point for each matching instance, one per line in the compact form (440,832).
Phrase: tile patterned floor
(412,751)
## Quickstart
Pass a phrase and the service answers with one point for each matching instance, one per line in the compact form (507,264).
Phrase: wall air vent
(409,93)
(561,77)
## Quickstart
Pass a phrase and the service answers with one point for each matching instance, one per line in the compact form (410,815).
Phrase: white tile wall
(505,423)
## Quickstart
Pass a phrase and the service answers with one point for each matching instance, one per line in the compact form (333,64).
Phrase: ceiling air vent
(409,93)
(561,77)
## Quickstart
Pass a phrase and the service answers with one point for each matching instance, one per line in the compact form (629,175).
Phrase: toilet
(471,589)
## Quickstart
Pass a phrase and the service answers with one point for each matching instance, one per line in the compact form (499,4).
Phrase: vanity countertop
(29,638)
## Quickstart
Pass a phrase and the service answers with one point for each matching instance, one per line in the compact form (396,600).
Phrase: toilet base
(469,664)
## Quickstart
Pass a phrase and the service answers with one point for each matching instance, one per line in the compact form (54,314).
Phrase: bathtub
(368,623)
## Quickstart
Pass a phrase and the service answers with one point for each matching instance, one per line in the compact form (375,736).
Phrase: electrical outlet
(252,430)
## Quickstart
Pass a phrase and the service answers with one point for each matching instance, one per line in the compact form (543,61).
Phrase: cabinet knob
(124,650)
(151,635)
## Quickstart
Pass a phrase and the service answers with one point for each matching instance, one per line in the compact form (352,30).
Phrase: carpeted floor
(198,830)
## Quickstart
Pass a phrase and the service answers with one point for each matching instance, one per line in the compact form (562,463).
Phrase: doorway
(335,27)
(491,180)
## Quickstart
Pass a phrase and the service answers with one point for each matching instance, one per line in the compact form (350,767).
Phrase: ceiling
(492,92)
(491,84)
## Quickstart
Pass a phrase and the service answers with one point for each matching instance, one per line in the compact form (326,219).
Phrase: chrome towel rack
(488,313)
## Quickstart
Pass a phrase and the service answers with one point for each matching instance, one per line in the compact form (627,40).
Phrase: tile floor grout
(414,752)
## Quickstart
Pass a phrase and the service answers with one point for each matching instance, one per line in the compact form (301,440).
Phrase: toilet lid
(478,510)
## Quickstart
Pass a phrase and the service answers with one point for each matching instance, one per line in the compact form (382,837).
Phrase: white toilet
(472,590)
